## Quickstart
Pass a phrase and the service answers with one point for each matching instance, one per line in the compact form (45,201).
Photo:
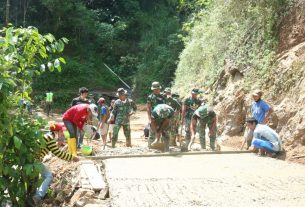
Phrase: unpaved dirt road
(205,180)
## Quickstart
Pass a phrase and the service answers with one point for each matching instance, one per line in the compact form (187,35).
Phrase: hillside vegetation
(242,33)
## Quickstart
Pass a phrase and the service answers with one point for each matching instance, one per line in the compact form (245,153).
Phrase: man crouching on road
(265,139)
(160,119)
(206,116)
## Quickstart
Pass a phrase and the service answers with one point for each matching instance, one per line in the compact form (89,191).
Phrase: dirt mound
(284,89)
(292,30)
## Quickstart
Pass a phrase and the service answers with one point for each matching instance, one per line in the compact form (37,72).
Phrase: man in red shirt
(76,117)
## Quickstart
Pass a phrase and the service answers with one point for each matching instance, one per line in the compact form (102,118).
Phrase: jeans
(71,128)
(80,135)
(47,176)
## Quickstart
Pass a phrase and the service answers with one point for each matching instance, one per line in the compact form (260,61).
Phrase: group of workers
(166,115)
(164,112)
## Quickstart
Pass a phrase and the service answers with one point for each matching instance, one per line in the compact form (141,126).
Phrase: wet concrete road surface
(237,180)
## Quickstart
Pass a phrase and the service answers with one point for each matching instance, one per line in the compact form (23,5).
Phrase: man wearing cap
(160,120)
(190,105)
(122,110)
(206,116)
(153,100)
(261,111)
(264,138)
(103,118)
(75,118)
(174,122)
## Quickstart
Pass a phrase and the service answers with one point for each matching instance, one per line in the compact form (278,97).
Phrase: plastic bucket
(87,150)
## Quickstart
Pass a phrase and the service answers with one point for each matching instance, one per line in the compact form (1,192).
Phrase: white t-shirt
(264,132)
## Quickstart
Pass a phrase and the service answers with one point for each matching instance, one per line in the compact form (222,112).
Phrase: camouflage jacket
(173,103)
(154,100)
(121,111)
(204,114)
(162,111)
(191,105)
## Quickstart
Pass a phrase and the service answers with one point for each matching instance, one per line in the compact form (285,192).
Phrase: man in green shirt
(205,115)
(153,100)
(122,110)
(190,105)
(49,101)
(174,123)
(160,120)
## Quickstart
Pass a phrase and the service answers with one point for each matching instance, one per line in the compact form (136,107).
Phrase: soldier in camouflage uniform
(174,123)
(190,105)
(205,115)
(122,110)
(152,101)
(160,120)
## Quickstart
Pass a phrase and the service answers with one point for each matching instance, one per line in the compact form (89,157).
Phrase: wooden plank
(91,176)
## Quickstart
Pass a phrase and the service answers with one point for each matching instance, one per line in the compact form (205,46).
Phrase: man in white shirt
(265,139)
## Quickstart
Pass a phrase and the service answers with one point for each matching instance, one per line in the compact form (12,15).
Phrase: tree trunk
(7,12)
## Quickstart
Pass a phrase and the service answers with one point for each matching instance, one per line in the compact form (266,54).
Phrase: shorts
(104,129)
(110,129)
(264,144)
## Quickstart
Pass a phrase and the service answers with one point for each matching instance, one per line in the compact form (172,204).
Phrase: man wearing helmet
(152,101)
(122,110)
(75,118)
(205,115)
(190,105)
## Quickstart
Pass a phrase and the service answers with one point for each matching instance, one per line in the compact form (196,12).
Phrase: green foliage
(160,45)
(243,32)
(24,53)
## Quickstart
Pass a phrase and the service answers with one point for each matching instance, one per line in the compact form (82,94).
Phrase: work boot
(36,200)
(166,145)
(202,143)
(128,143)
(212,143)
(112,143)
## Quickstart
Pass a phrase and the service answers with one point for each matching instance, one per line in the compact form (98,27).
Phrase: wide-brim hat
(257,93)
(167,90)
(121,92)
(155,85)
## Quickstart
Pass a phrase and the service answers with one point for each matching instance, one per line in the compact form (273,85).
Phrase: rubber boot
(69,146)
(166,145)
(113,143)
(128,142)
(212,143)
(73,146)
(202,143)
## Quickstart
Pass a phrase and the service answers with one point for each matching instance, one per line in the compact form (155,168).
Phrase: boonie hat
(167,90)
(155,85)
(121,92)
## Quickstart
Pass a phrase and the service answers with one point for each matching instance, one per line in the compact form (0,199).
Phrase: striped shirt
(51,146)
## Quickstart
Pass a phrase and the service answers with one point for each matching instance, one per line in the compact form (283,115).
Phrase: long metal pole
(104,157)
(117,76)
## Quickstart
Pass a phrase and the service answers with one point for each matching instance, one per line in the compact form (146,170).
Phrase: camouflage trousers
(115,134)
(212,134)
(164,135)
(187,128)
(173,129)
